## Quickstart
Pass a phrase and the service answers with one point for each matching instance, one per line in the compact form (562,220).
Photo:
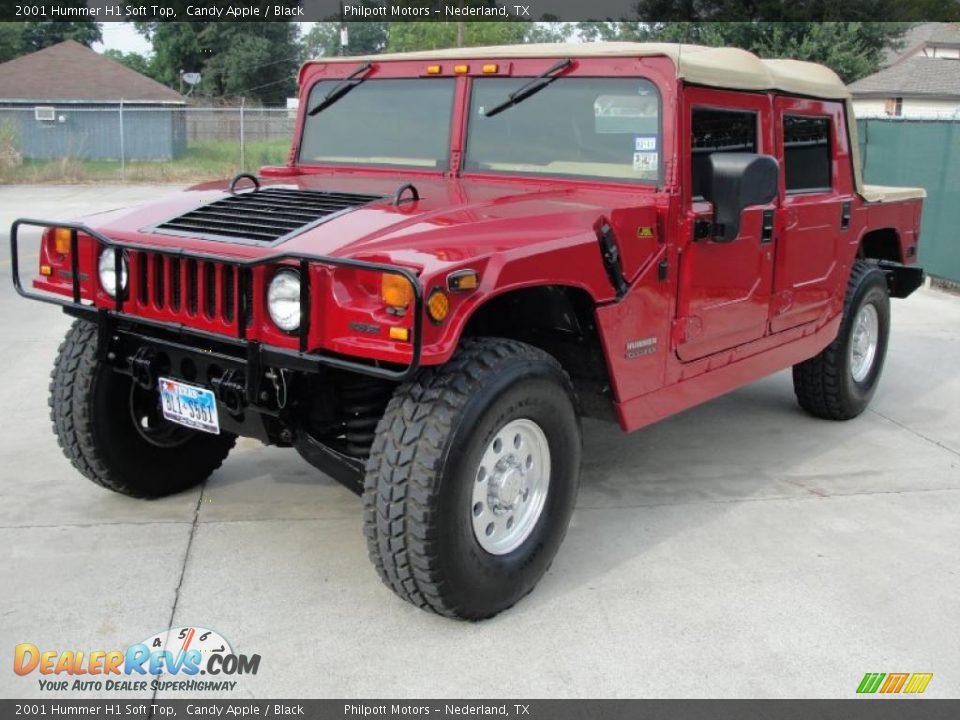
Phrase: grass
(200,161)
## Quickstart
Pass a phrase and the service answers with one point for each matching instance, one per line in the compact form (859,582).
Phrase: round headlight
(283,300)
(107,269)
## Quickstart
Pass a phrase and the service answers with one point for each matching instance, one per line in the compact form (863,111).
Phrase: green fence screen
(921,153)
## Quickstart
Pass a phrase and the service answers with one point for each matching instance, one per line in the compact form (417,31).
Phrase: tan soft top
(716,67)
(730,68)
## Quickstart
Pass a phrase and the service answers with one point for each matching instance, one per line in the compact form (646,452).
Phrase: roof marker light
(461,69)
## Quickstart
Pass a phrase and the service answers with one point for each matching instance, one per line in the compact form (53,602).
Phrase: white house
(921,81)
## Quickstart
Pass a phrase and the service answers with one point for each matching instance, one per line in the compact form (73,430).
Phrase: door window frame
(841,173)
(697,97)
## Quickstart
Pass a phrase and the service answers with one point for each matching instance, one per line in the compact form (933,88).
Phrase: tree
(40,35)
(20,38)
(365,38)
(549,32)
(852,49)
(257,60)
(262,65)
(698,11)
(133,60)
(11,40)
(406,36)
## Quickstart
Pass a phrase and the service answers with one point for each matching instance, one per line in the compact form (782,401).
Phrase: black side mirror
(736,181)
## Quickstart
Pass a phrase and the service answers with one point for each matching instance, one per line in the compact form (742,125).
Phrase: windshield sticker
(645,162)
(645,143)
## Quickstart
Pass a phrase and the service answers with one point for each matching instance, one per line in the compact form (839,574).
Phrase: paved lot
(739,549)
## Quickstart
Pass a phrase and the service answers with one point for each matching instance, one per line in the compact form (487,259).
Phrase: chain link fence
(138,143)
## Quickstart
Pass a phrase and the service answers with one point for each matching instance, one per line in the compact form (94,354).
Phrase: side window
(718,131)
(806,153)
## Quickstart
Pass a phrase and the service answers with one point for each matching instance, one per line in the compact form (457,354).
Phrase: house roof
(722,67)
(924,35)
(939,77)
(71,72)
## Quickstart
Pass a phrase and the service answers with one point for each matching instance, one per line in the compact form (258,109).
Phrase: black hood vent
(263,217)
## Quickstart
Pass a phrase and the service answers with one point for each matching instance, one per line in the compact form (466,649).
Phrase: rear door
(723,295)
(815,200)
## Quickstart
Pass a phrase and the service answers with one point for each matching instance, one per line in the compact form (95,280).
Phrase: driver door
(724,289)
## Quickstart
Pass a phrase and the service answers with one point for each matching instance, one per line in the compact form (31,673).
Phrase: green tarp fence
(921,153)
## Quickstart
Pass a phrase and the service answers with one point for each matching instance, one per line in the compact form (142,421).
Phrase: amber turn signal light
(61,240)
(463,280)
(46,270)
(399,333)
(396,291)
(438,306)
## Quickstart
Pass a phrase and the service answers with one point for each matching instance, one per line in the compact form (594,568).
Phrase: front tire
(472,479)
(96,413)
(838,383)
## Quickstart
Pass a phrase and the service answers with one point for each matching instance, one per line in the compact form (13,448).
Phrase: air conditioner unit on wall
(45,113)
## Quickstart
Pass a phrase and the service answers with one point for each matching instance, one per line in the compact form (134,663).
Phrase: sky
(124,37)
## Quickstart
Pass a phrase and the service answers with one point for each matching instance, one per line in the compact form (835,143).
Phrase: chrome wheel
(864,342)
(510,487)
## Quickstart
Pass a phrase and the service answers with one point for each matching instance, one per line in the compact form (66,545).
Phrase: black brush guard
(257,355)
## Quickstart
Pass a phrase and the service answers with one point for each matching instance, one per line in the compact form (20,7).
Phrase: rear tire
(93,412)
(472,479)
(838,383)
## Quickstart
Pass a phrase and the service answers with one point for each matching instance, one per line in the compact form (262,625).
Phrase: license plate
(189,405)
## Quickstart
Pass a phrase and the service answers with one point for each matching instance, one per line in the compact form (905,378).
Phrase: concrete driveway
(740,549)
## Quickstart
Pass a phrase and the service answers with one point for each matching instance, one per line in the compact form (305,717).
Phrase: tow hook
(231,390)
(143,367)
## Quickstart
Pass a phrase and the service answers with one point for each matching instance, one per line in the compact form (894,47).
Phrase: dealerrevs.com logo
(893,683)
(183,658)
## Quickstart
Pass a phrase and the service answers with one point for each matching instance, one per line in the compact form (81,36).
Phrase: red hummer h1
(467,251)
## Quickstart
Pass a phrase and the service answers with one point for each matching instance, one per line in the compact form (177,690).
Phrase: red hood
(454,220)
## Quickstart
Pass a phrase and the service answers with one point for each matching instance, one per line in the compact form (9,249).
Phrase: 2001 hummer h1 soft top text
(467,251)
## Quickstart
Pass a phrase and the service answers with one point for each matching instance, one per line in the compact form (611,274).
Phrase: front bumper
(257,354)
(259,392)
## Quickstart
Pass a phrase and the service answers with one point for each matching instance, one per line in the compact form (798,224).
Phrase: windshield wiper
(342,88)
(531,88)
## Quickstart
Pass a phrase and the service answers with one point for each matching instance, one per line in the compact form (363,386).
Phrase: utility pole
(460,27)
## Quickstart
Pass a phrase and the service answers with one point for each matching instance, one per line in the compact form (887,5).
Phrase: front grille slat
(229,294)
(263,216)
(192,293)
(210,290)
(167,277)
(157,280)
(176,281)
(143,275)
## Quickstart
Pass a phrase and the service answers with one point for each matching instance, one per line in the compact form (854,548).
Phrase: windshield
(605,128)
(381,122)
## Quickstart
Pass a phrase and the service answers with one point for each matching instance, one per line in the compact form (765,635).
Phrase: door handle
(845,215)
(766,232)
